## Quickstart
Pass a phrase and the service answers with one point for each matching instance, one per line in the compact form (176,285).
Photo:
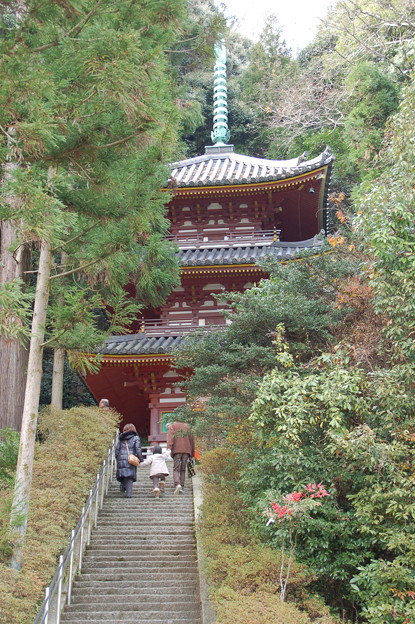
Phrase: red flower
(295,496)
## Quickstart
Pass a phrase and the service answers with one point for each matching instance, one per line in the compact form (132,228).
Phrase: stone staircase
(141,565)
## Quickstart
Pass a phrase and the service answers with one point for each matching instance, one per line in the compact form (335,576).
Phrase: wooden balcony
(230,239)
(166,327)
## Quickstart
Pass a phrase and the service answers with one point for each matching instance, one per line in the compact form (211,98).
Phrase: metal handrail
(70,562)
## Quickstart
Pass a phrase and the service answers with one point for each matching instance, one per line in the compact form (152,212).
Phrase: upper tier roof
(221,166)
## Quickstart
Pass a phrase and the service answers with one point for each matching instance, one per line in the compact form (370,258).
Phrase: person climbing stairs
(141,564)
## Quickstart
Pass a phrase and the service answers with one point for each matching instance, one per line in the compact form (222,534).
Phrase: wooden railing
(230,239)
(168,327)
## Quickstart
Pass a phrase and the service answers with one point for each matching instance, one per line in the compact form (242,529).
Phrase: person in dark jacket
(128,443)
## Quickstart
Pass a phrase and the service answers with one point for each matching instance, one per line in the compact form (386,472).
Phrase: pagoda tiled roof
(228,168)
(143,344)
(245,254)
(139,344)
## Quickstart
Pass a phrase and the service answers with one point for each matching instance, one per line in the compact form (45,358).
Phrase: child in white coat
(158,469)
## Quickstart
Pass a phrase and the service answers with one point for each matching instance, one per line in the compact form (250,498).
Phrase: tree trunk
(57,378)
(20,507)
(14,355)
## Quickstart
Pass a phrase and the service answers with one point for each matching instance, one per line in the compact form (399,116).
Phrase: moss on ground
(73,445)
(243,573)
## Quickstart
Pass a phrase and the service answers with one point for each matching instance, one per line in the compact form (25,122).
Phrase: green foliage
(373,99)
(340,91)
(229,365)
(321,412)
(244,574)
(268,61)
(353,429)
(73,446)
(88,122)
(385,220)
(292,406)
(9,448)
(15,310)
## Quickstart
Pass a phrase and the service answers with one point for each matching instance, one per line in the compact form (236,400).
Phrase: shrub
(74,443)
(242,572)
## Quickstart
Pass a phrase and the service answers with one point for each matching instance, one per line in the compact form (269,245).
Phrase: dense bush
(243,572)
(73,446)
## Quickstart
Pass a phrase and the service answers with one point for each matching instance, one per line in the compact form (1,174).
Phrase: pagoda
(228,212)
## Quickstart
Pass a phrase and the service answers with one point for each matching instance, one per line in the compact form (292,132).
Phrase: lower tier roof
(245,254)
(142,345)
(139,344)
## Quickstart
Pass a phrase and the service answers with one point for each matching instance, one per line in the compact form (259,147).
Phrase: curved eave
(250,188)
(189,271)
(241,268)
(139,359)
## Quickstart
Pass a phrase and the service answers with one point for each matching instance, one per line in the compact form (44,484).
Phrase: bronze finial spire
(220,134)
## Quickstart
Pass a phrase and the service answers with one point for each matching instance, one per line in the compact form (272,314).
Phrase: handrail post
(96,502)
(81,539)
(47,590)
(88,533)
(112,464)
(58,606)
(68,600)
(103,479)
(107,474)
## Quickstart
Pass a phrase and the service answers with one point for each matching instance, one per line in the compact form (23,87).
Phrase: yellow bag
(132,459)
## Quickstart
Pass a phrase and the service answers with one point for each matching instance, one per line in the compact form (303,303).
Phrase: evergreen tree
(88,116)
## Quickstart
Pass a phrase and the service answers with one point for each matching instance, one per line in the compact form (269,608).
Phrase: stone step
(147,516)
(170,585)
(135,606)
(141,563)
(168,522)
(147,498)
(147,492)
(153,577)
(142,540)
(108,542)
(165,535)
(154,618)
(126,566)
(138,549)
(136,598)
(165,532)
(116,558)
(161,505)
(143,591)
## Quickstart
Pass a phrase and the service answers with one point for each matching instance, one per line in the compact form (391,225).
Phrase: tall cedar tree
(87,117)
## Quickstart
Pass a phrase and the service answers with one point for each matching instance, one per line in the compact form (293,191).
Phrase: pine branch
(118,142)
(9,137)
(75,29)
(78,236)
(54,338)
(80,268)
(77,164)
